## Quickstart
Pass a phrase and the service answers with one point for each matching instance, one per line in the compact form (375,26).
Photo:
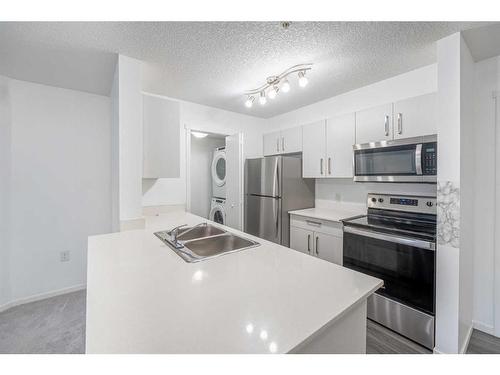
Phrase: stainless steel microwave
(400,160)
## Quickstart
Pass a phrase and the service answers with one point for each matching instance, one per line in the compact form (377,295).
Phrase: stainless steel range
(396,242)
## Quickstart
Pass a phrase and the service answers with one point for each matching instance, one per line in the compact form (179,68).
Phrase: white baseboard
(483,327)
(38,297)
(463,349)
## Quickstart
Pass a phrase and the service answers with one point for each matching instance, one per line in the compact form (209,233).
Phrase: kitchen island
(143,298)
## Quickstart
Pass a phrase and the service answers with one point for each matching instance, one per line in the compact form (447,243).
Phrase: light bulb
(262,98)
(199,134)
(285,87)
(303,79)
(249,102)
(273,92)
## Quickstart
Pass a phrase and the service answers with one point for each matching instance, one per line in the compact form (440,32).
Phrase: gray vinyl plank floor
(57,325)
(482,343)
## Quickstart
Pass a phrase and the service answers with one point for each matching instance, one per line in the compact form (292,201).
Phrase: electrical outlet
(64,256)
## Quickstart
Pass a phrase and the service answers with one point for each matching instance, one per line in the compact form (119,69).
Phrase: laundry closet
(208,176)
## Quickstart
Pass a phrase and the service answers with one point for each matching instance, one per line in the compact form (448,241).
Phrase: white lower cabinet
(301,240)
(319,238)
(328,247)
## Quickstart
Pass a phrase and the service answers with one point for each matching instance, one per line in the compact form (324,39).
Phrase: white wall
(456,172)
(115,150)
(346,191)
(487,80)
(201,177)
(172,191)
(5,183)
(60,184)
(447,256)
(130,137)
(467,196)
(417,82)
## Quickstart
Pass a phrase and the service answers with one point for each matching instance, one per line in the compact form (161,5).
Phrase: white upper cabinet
(271,143)
(327,147)
(283,142)
(161,131)
(339,140)
(314,150)
(415,116)
(374,124)
(291,140)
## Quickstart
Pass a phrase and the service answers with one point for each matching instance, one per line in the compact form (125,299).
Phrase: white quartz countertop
(335,213)
(143,298)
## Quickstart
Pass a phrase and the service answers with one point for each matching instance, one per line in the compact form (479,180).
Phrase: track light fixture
(273,92)
(303,81)
(249,102)
(279,83)
(262,98)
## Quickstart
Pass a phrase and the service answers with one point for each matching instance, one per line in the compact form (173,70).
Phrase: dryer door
(219,168)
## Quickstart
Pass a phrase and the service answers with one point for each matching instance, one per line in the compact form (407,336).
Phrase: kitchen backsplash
(335,190)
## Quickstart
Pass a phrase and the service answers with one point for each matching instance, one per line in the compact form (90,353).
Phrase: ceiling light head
(285,87)
(249,102)
(199,134)
(262,98)
(273,92)
(303,81)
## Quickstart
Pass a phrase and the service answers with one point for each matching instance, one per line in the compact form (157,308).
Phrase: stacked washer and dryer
(218,206)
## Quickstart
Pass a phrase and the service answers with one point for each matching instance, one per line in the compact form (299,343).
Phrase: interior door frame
(496,255)
(187,139)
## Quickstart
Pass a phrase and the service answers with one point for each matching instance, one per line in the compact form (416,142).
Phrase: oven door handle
(422,244)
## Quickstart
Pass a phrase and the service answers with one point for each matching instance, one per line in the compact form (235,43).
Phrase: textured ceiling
(483,42)
(213,63)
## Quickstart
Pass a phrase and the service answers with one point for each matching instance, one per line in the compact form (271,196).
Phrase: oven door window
(387,161)
(408,272)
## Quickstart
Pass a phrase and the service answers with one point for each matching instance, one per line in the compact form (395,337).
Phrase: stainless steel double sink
(204,241)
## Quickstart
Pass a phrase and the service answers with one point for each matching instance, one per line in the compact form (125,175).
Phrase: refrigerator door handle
(276,182)
(276,210)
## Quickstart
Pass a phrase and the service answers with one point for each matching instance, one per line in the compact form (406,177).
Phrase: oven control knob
(374,200)
(381,200)
(430,204)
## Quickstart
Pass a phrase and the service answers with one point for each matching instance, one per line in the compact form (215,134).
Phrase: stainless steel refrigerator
(274,186)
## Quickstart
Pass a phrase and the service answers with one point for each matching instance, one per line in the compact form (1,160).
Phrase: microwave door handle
(418,159)
(422,244)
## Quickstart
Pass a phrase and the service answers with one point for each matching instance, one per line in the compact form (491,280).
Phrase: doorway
(214,176)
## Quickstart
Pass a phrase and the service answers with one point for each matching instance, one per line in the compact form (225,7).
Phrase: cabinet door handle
(308,243)
(321,165)
(329,165)
(400,123)
(282,143)
(317,245)
(277,145)
(386,124)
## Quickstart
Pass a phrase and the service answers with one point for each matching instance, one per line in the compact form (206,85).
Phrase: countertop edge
(336,318)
